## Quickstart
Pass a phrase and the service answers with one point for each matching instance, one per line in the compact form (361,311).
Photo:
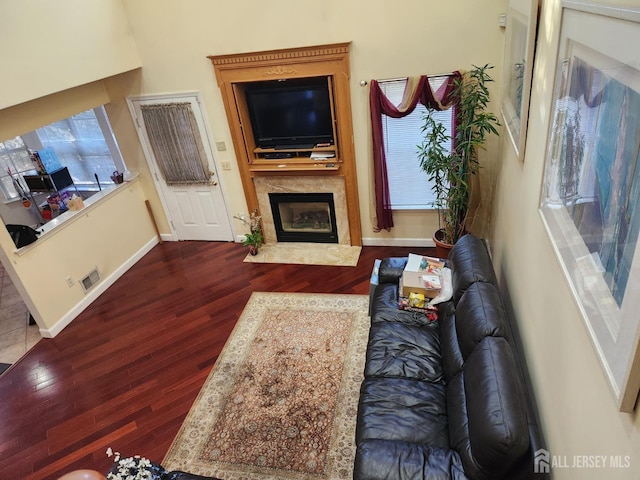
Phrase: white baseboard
(99,289)
(384,242)
(398,242)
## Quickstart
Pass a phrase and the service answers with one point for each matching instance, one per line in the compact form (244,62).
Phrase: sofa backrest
(487,403)
(478,314)
(487,407)
(470,262)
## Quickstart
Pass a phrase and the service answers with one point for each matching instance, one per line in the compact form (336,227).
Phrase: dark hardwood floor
(126,371)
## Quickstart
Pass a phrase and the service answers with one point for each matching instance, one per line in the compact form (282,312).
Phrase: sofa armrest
(391,269)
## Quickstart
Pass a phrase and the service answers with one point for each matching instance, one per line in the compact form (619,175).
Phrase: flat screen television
(293,113)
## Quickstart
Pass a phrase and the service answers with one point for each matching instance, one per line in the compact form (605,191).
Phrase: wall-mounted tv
(294,113)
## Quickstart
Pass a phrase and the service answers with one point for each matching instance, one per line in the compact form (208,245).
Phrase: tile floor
(16,335)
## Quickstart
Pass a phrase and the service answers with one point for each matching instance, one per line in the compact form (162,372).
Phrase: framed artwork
(590,199)
(520,39)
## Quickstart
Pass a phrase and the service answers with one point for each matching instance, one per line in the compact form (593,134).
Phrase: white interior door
(196,212)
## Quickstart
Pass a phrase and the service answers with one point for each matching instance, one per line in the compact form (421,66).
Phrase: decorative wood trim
(280,71)
(277,168)
(278,55)
(234,71)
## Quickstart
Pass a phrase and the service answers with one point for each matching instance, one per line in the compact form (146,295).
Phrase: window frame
(110,141)
(15,175)
(414,120)
(33,141)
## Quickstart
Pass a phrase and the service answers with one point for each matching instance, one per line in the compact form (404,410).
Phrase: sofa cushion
(384,308)
(470,262)
(479,313)
(402,410)
(400,350)
(376,459)
(452,360)
(488,411)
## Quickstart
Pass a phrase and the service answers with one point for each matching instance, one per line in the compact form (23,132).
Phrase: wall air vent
(90,280)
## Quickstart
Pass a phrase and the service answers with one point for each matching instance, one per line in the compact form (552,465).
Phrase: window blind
(409,185)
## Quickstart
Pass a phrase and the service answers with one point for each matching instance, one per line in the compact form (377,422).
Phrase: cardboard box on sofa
(407,287)
(418,266)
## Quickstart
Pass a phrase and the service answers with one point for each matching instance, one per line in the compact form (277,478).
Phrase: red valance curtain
(417,89)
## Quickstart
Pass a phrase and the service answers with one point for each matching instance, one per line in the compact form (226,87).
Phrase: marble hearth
(302,184)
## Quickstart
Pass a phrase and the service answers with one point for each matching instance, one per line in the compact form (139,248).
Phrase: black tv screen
(291,113)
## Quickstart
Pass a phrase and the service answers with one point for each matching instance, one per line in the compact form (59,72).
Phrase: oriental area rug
(281,400)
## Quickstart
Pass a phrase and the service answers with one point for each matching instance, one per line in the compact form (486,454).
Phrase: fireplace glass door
(304,217)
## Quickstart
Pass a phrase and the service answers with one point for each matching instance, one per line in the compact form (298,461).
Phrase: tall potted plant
(450,171)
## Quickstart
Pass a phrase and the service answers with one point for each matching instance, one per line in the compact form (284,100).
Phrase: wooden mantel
(234,72)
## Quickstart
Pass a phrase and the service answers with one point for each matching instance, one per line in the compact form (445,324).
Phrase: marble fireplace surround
(302,184)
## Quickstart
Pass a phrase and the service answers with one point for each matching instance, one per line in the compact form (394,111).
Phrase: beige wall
(54,55)
(578,411)
(108,236)
(174,38)
(50,46)
(389,39)
(111,237)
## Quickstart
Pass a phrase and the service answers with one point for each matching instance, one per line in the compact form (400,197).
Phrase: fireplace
(304,217)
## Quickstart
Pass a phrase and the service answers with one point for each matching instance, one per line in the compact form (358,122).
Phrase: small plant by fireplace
(254,238)
(304,217)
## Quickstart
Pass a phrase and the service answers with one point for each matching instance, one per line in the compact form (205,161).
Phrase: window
(14,161)
(409,185)
(84,143)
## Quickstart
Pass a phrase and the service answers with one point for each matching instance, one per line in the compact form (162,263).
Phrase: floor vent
(90,280)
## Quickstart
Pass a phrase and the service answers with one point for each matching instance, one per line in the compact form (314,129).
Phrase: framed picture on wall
(520,39)
(590,199)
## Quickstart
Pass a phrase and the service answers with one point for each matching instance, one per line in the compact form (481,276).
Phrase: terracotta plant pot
(442,248)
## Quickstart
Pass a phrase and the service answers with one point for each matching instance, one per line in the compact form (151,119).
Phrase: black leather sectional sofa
(446,399)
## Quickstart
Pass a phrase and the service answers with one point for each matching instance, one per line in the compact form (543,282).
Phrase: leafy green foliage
(253,238)
(450,172)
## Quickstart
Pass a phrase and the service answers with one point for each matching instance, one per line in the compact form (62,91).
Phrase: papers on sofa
(446,291)
(418,266)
